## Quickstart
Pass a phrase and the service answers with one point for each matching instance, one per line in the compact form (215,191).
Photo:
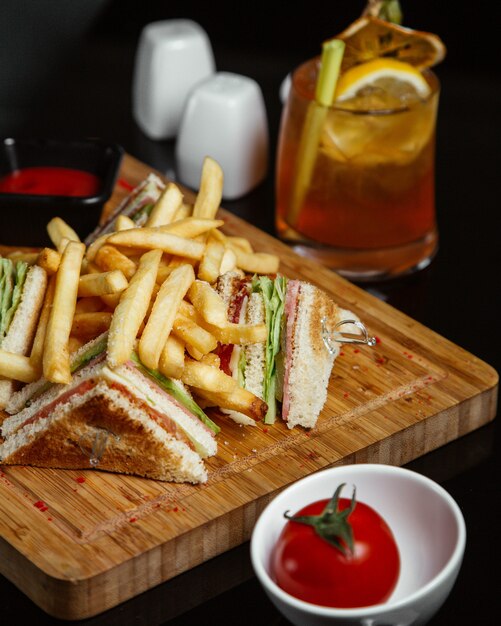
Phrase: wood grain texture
(100,539)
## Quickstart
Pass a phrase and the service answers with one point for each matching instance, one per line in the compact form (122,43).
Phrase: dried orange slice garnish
(370,38)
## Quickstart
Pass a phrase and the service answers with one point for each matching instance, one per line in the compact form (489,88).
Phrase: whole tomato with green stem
(338,553)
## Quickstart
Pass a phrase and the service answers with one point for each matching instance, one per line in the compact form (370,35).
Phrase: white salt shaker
(224,118)
(172,56)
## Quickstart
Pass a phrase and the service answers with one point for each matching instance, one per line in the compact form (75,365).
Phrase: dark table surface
(78,85)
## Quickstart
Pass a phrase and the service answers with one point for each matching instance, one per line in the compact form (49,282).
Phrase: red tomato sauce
(51,181)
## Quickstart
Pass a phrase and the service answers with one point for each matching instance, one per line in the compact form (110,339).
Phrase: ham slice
(291,298)
(235,311)
(130,365)
(167,424)
(45,411)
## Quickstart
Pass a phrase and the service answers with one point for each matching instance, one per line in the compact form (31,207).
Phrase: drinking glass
(355,186)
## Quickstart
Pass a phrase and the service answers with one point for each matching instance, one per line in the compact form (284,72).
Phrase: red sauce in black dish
(50,181)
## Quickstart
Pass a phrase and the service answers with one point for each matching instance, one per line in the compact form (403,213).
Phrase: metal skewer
(98,446)
(331,337)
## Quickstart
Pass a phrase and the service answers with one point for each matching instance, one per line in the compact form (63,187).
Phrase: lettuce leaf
(273,292)
(177,392)
(21,269)
(242,363)
(12,280)
(2,295)
(143,212)
(6,287)
(76,363)
(92,351)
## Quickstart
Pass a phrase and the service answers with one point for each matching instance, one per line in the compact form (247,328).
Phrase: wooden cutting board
(80,542)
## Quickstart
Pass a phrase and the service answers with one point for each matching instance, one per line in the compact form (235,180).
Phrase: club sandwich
(290,371)
(137,206)
(130,420)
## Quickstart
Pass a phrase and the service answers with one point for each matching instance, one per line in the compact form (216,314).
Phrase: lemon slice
(389,74)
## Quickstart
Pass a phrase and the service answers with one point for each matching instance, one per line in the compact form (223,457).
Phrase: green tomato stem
(331,525)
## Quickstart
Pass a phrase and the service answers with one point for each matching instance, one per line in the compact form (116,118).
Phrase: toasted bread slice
(104,429)
(307,361)
(23,325)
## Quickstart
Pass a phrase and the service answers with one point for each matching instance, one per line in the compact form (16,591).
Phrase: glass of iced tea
(367,204)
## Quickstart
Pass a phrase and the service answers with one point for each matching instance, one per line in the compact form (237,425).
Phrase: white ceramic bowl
(427,524)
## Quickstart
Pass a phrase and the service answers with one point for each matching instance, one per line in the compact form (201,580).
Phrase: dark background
(52,50)
(66,70)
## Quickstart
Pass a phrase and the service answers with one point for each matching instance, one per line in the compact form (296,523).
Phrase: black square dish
(24,215)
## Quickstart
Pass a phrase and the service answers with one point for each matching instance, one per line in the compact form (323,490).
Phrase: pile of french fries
(152,289)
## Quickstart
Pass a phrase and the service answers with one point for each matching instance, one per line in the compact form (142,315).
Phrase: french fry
(241,243)
(155,239)
(238,399)
(90,325)
(204,376)
(89,267)
(164,271)
(111,300)
(176,261)
(256,262)
(63,243)
(28,257)
(203,403)
(194,336)
(95,246)
(109,258)
(219,236)
(36,354)
(238,333)
(17,367)
(133,254)
(124,223)
(194,353)
(186,309)
(228,262)
(210,264)
(227,333)
(165,260)
(185,210)
(191,227)
(211,190)
(132,309)
(171,362)
(58,229)
(92,304)
(101,284)
(208,303)
(74,343)
(163,314)
(166,207)
(49,259)
(211,358)
(154,293)
(56,361)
